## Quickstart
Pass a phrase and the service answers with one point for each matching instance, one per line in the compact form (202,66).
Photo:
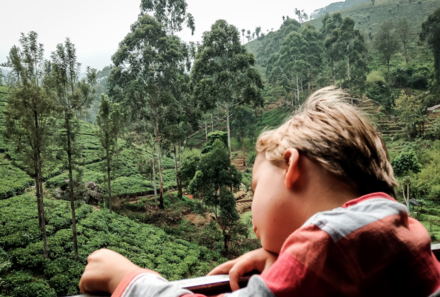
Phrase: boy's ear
(291,158)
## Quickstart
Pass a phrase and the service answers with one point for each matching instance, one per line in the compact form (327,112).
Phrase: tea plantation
(25,272)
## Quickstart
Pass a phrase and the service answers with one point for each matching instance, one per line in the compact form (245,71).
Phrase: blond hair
(330,131)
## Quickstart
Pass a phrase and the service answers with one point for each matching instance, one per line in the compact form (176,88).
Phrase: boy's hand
(104,271)
(260,260)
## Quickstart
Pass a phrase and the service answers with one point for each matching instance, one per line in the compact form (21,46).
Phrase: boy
(323,213)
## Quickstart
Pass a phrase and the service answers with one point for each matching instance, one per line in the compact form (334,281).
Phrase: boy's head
(327,149)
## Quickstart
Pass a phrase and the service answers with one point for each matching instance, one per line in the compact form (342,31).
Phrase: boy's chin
(272,247)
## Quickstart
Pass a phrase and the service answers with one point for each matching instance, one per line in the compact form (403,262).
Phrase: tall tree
(243,126)
(386,42)
(298,62)
(331,32)
(143,128)
(147,64)
(72,97)
(172,14)
(242,33)
(352,47)
(302,16)
(403,32)
(430,33)
(29,113)
(372,1)
(181,119)
(214,179)
(224,72)
(289,66)
(108,121)
(315,53)
(408,107)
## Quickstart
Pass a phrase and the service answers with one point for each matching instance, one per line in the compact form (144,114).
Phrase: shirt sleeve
(142,283)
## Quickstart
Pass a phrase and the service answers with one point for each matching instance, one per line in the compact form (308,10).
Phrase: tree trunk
(212,124)
(180,156)
(109,181)
(71,194)
(206,132)
(37,188)
(244,153)
(39,185)
(179,190)
(154,175)
(159,160)
(229,129)
(297,89)
(226,238)
(117,152)
(407,197)
(40,198)
(406,54)
(333,73)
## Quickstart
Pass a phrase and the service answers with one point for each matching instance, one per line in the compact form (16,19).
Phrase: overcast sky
(97,26)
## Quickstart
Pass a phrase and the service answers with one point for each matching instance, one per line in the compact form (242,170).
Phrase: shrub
(13,181)
(375,77)
(407,161)
(251,158)
(418,81)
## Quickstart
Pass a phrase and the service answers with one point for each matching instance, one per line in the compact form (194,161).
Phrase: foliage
(109,121)
(406,162)
(188,168)
(243,126)
(403,32)
(410,112)
(436,128)
(298,62)
(428,180)
(29,111)
(386,42)
(171,14)
(72,97)
(225,79)
(212,137)
(375,77)
(383,95)
(147,75)
(251,158)
(430,33)
(14,180)
(145,245)
(214,174)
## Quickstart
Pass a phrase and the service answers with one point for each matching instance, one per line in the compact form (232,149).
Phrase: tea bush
(13,181)
(27,273)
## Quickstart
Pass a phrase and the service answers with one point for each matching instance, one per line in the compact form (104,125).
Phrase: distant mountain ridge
(335,7)
(368,19)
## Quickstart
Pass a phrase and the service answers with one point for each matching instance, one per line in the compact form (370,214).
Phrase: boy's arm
(260,260)
(108,271)
(146,284)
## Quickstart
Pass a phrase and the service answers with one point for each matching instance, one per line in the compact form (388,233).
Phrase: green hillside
(368,19)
